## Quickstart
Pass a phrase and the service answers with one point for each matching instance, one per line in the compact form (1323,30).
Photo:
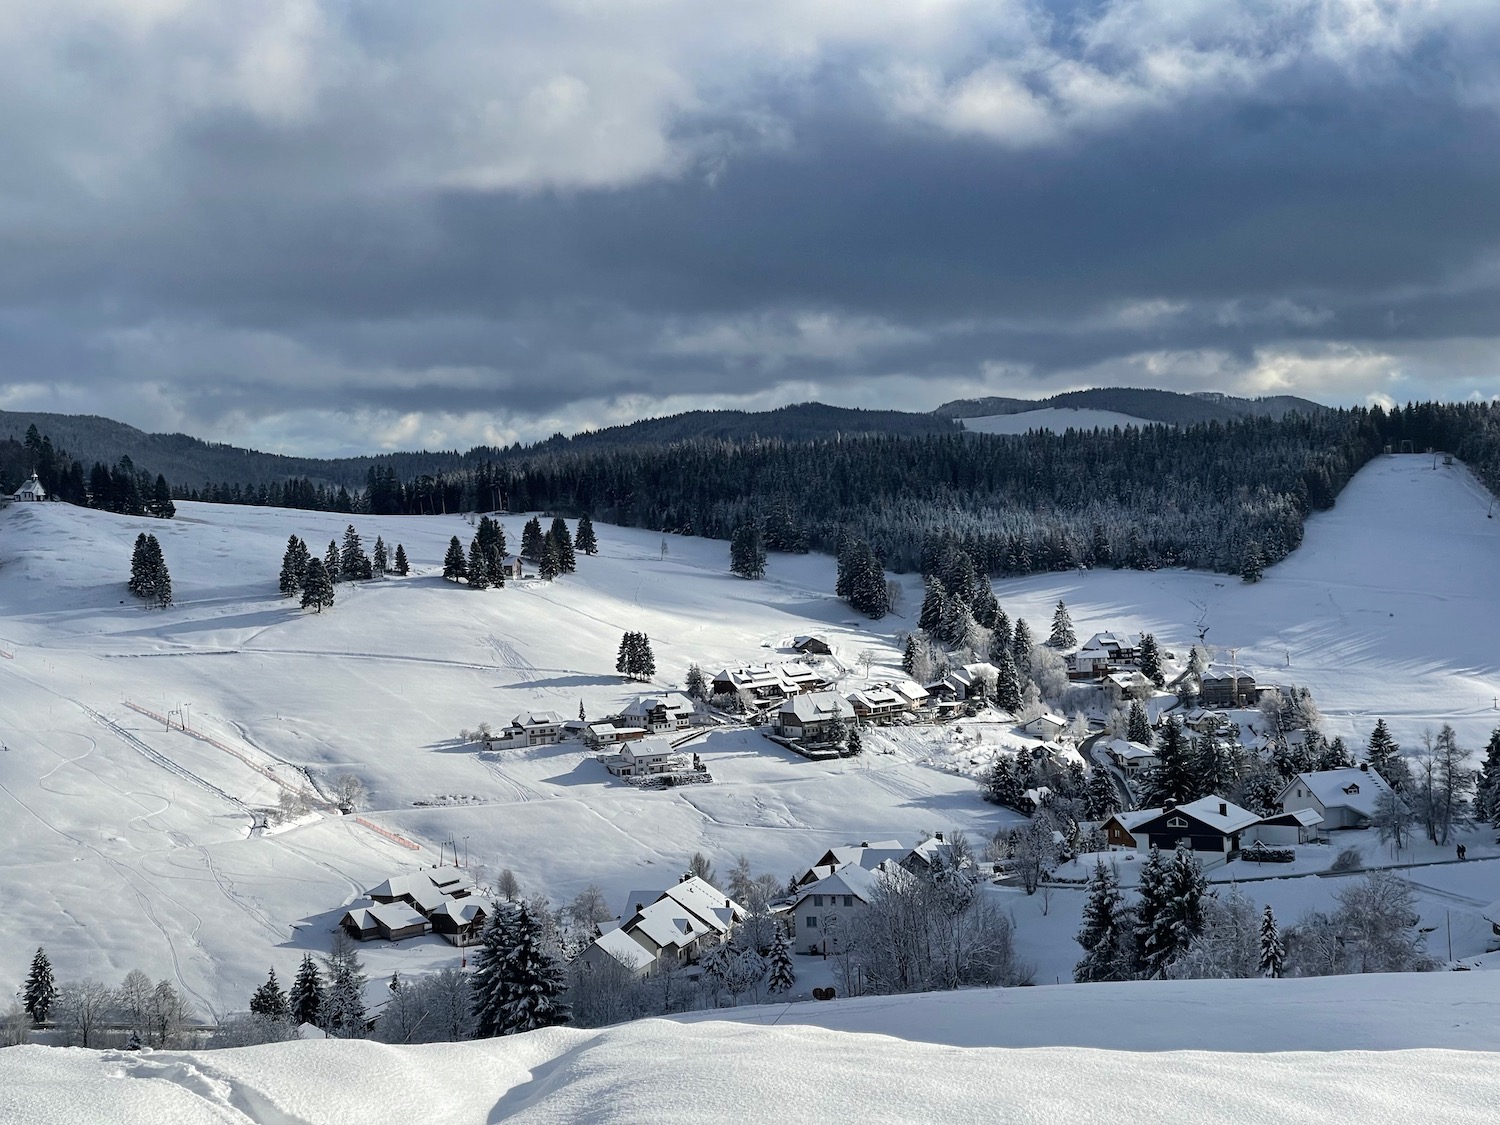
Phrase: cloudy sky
(342,225)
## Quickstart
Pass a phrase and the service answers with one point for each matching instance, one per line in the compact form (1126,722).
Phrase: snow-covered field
(1054,418)
(1366,1049)
(126,845)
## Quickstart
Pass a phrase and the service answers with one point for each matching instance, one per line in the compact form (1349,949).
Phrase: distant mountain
(188,461)
(1139,402)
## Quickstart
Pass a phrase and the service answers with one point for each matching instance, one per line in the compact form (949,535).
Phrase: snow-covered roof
(537,719)
(910,689)
(1353,787)
(1307,818)
(463,910)
(1125,750)
(818,706)
(881,695)
(1131,819)
(624,949)
(668,924)
(1047,718)
(672,703)
(646,748)
(1215,811)
(1112,641)
(396,916)
(361,918)
(31,490)
(635,901)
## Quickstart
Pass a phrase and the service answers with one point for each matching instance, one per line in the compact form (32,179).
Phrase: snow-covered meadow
(127,845)
(1372,1049)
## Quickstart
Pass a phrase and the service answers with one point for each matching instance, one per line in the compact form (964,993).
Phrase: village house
(1201,720)
(767,685)
(460,921)
(1119,648)
(866,854)
(511,568)
(879,704)
(1344,798)
(1232,688)
(30,492)
(1302,826)
(607,734)
(911,691)
(530,728)
(617,947)
(659,713)
(392,921)
(1046,726)
(1088,664)
(1128,685)
(1211,826)
(823,911)
(813,645)
(809,718)
(644,758)
(1119,828)
(677,925)
(1132,757)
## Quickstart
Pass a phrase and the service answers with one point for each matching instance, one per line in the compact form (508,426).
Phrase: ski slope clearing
(127,845)
(1347,1049)
(1056,419)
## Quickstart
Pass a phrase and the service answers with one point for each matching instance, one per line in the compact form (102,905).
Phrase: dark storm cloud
(369,227)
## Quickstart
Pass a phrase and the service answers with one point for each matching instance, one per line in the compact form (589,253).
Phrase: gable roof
(1206,809)
(1331,788)
(818,707)
(537,719)
(624,949)
(672,702)
(849,879)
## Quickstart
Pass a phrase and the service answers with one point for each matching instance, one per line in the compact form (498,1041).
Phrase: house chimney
(1168,806)
(1365,767)
(1223,808)
(939,837)
(864,843)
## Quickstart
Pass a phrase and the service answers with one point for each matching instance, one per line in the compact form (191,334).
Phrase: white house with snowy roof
(1214,828)
(645,757)
(529,728)
(659,714)
(679,923)
(1344,798)
(808,718)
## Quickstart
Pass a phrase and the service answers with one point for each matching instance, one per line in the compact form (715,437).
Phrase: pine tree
(1384,756)
(1138,727)
(1104,938)
(1001,784)
(1175,777)
(696,684)
(489,986)
(305,1001)
(40,990)
(1021,648)
(455,566)
(644,661)
(854,745)
(1151,661)
(317,589)
(551,564)
(290,582)
(1171,909)
(909,655)
(1254,563)
(354,564)
(1100,798)
(381,559)
(158,578)
(1487,795)
(586,541)
(344,1008)
(478,566)
(567,561)
(534,980)
(531,540)
(1007,684)
(783,975)
(491,538)
(623,658)
(747,554)
(1272,951)
(1062,629)
(138,567)
(269,1000)
(161,505)
(333,562)
(934,602)
(402,567)
(869,593)
(1152,892)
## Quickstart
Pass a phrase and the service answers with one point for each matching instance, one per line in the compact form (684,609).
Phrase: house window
(848,900)
(817,900)
(812,921)
(1177,822)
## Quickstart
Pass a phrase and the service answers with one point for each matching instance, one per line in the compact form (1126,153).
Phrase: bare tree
(588,908)
(349,793)
(83,1009)
(169,1015)
(134,1000)
(866,660)
(507,885)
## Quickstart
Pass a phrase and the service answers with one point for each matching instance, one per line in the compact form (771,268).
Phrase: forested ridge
(1209,495)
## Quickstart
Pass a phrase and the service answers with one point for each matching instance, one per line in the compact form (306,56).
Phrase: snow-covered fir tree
(317,589)
(567,560)
(1099,797)
(292,566)
(1105,931)
(269,999)
(1272,950)
(478,566)
(783,973)
(489,985)
(1020,648)
(380,558)
(1138,725)
(344,1015)
(333,562)
(585,540)
(534,980)
(1487,788)
(531,540)
(1007,683)
(934,603)
(696,684)
(747,554)
(402,567)
(1170,910)
(1062,636)
(1254,563)
(455,563)
(40,991)
(305,1000)
(635,658)
(354,564)
(551,565)
(1151,661)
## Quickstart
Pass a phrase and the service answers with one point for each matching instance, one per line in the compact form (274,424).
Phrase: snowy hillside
(126,845)
(1367,1049)
(1054,418)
